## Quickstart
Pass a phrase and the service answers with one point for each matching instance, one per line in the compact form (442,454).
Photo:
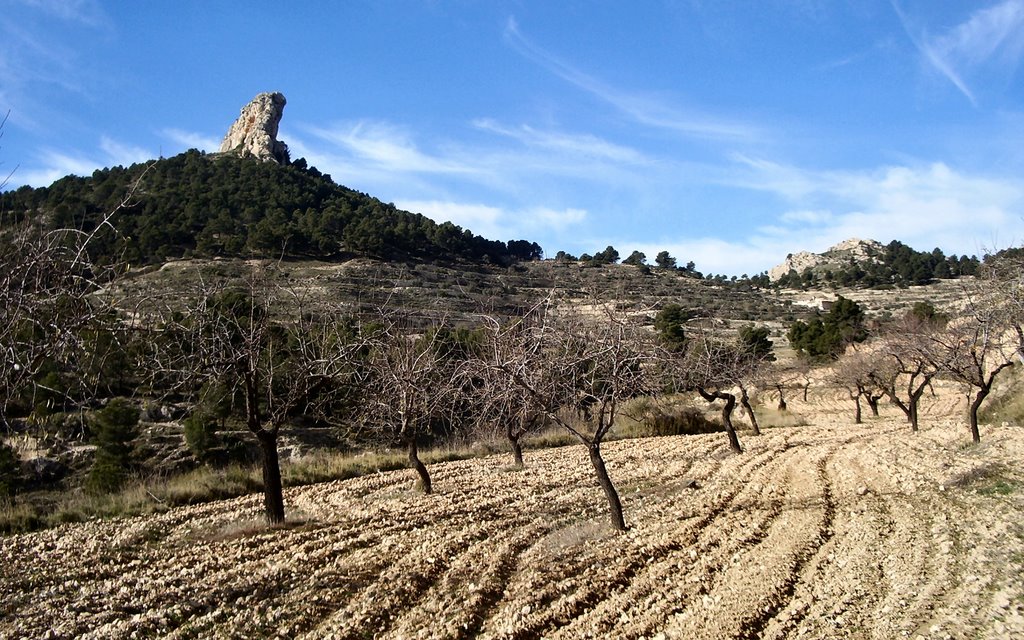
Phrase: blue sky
(728,133)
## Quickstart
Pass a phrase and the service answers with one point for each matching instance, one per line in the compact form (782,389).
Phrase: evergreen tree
(114,429)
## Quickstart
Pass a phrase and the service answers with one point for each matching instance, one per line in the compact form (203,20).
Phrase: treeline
(896,265)
(199,205)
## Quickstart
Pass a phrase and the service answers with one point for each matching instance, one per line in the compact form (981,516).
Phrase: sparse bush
(770,418)
(685,422)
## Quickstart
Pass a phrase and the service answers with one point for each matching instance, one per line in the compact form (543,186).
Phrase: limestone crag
(835,257)
(255,131)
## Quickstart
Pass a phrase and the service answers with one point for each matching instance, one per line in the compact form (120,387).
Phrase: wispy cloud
(87,12)
(387,146)
(496,222)
(50,165)
(191,140)
(572,144)
(925,206)
(35,60)
(714,255)
(645,110)
(990,36)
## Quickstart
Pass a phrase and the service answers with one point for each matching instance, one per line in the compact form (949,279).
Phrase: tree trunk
(912,411)
(516,446)
(273,496)
(614,504)
(899,403)
(856,411)
(975,406)
(782,398)
(730,404)
(806,387)
(745,401)
(417,464)
(517,453)
(873,403)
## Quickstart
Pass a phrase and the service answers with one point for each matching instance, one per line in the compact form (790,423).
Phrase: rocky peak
(255,131)
(835,257)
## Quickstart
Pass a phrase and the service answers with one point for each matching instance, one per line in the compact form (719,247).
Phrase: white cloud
(494,222)
(814,217)
(53,165)
(714,255)
(924,206)
(191,140)
(87,12)
(123,154)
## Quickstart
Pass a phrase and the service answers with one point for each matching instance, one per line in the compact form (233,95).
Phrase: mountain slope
(195,204)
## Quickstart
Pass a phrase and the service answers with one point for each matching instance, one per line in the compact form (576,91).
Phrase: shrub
(10,471)
(649,420)
(115,428)
(201,436)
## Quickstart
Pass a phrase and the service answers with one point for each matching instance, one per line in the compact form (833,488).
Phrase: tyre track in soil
(924,556)
(844,580)
(744,603)
(564,603)
(640,604)
(456,565)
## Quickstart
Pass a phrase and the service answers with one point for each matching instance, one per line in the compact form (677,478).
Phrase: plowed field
(819,531)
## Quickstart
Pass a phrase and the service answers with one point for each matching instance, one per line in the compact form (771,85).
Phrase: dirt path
(822,532)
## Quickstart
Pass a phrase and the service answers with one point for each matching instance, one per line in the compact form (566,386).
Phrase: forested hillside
(195,204)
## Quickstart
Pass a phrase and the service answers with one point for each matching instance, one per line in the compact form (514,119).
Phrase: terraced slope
(824,532)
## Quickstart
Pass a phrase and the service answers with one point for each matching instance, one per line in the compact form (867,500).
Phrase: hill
(227,205)
(869,263)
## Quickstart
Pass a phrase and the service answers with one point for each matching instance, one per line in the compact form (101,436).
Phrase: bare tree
(50,310)
(507,406)
(914,359)
(414,387)
(590,365)
(714,367)
(260,342)
(858,373)
(785,377)
(987,338)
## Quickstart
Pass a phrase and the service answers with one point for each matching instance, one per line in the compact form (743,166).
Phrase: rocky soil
(827,531)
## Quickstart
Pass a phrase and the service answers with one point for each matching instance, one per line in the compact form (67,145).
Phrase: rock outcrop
(834,258)
(255,131)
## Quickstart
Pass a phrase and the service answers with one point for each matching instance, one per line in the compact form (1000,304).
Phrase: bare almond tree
(859,373)
(588,364)
(261,343)
(714,368)
(506,405)
(988,337)
(50,310)
(914,359)
(415,387)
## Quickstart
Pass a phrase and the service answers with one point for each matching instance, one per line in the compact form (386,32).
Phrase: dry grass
(770,418)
